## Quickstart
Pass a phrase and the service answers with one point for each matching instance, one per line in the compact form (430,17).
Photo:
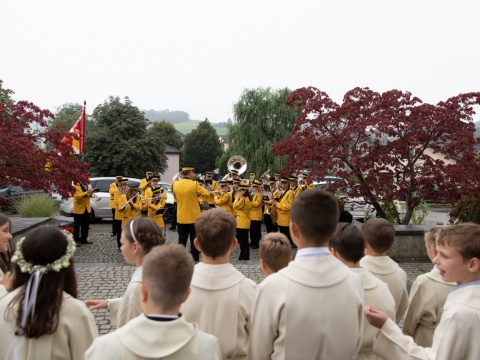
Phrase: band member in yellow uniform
(256,215)
(270,224)
(146,181)
(283,206)
(81,212)
(173,225)
(208,178)
(113,189)
(156,206)
(276,174)
(203,199)
(187,193)
(223,199)
(148,193)
(234,174)
(235,188)
(119,200)
(243,204)
(294,185)
(131,205)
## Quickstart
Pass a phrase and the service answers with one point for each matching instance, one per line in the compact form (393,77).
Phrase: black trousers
(255,232)
(117,224)
(80,226)
(174,221)
(285,230)
(113,221)
(184,232)
(242,237)
(270,226)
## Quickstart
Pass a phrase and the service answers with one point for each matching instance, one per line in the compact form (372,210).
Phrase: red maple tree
(23,163)
(381,145)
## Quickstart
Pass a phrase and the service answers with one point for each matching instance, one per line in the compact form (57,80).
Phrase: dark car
(9,192)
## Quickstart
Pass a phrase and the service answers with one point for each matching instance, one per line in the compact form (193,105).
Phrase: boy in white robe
(347,245)
(312,309)
(379,236)
(456,336)
(427,297)
(160,332)
(275,253)
(221,299)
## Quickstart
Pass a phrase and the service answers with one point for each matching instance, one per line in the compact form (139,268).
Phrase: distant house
(173,163)
(182,135)
(223,141)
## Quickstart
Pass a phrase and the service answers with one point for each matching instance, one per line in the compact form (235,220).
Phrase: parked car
(9,192)
(101,202)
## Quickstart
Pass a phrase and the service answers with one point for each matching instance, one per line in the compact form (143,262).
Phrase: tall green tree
(119,143)
(66,115)
(167,132)
(261,120)
(201,147)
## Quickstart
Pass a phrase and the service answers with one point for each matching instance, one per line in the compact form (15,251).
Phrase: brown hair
(431,234)
(275,251)
(5,257)
(215,230)
(465,238)
(379,233)
(42,246)
(349,242)
(316,214)
(146,231)
(167,272)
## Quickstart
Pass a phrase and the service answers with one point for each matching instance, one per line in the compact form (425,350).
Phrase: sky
(199,56)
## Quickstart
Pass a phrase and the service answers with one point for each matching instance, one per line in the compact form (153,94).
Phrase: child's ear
(234,244)
(143,293)
(474,265)
(294,230)
(197,245)
(367,245)
(334,252)
(188,292)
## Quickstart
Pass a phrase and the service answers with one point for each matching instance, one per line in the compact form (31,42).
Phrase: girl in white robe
(5,255)
(139,236)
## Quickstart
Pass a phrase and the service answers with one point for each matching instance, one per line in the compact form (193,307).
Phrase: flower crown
(57,265)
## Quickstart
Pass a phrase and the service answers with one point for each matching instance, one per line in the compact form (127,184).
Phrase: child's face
(5,237)
(451,265)
(127,249)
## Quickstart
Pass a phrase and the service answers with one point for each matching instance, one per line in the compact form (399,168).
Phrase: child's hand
(7,281)
(374,317)
(96,304)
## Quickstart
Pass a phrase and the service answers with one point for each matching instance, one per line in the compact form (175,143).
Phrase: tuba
(238,163)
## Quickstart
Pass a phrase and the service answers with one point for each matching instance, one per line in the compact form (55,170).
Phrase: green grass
(187,126)
(40,205)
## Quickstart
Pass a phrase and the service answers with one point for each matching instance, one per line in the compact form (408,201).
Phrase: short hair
(147,233)
(431,234)
(348,242)
(167,272)
(275,251)
(215,230)
(379,233)
(316,214)
(186,172)
(465,238)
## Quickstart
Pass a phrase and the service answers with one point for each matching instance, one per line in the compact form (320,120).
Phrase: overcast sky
(199,56)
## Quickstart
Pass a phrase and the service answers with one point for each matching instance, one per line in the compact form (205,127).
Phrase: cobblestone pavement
(102,272)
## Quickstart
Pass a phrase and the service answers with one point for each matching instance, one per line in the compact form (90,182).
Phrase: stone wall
(409,245)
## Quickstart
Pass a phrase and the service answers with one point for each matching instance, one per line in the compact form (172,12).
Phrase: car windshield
(166,187)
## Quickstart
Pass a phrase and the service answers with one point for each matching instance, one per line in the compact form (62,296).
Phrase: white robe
(387,270)
(311,309)
(427,297)
(75,332)
(3,290)
(143,338)
(375,293)
(456,336)
(221,303)
(124,309)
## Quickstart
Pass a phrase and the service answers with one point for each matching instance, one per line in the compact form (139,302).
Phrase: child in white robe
(313,308)
(347,245)
(41,318)
(456,336)
(160,331)
(139,236)
(221,300)
(275,253)
(6,278)
(427,297)
(379,236)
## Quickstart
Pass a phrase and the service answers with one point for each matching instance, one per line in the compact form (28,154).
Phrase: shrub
(467,209)
(38,205)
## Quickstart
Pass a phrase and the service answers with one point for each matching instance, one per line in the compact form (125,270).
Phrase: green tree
(261,120)
(201,147)
(5,98)
(119,143)
(66,115)
(222,161)
(167,132)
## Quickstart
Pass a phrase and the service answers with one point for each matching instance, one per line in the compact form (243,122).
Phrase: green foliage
(261,120)
(167,132)
(201,148)
(221,162)
(5,97)
(66,115)
(395,211)
(119,143)
(38,205)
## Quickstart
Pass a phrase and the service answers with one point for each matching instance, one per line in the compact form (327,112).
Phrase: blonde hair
(465,238)
(275,251)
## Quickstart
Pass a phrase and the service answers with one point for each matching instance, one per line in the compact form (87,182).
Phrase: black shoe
(78,244)
(113,235)
(86,242)
(172,228)
(254,247)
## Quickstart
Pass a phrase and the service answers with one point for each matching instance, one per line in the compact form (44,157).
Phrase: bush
(467,209)
(38,205)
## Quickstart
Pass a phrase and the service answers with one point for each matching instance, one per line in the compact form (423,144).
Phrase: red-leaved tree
(23,163)
(382,145)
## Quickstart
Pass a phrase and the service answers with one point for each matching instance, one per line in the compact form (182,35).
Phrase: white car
(100,203)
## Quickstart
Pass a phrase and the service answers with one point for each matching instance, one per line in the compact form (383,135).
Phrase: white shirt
(315,252)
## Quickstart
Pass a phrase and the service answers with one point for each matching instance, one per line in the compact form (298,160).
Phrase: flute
(126,203)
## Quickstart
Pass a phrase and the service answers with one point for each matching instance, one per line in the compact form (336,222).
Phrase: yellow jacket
(297,190)
(113,189)
(225,201)
(129,211)
(310,186)
(283,208)
(119,199)
(187,193)
(81,200)
(143,184)
(148,194)
(243,206)
(256,211)
(152,212)
(211,199)
(268,205)
(171,188)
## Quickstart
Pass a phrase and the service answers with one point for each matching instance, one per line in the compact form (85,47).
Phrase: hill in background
(187,126)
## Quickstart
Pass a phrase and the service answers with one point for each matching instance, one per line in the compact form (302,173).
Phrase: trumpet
(94,195)
(126,203)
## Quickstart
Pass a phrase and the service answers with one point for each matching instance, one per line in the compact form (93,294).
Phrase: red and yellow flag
(79,129)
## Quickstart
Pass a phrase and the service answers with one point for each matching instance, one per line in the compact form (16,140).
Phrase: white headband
(133,235)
